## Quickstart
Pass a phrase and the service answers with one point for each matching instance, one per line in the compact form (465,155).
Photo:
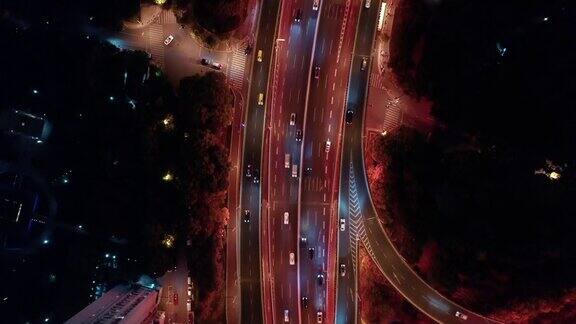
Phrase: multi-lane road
(248,215)
(305,203)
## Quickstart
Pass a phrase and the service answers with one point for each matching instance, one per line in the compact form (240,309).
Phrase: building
(134,303)
(20,123)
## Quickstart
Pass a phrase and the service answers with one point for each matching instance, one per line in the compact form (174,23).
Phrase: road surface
(250,191)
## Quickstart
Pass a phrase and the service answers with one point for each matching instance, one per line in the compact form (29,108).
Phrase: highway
(322,130)
(250,191)
(296,36)
(349,204)
(356,204)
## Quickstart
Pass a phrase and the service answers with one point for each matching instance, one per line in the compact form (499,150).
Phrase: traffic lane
(249,267)
(312,230)
(409,284)
(292,67)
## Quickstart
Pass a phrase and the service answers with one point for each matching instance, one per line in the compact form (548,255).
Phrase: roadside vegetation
(465,204)
(212,20)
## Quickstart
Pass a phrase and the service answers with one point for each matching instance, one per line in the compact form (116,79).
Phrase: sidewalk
(388,105)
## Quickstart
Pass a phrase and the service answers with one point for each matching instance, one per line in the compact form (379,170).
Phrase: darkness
(504,233)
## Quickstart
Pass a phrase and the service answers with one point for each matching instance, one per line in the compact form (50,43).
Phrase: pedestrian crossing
(392,117)
(315,184)
(236,71)
(167,17)
(377,81)
(155,45)
(334,11)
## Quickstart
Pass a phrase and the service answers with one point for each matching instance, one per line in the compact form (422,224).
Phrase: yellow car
(259,58)
(260,99)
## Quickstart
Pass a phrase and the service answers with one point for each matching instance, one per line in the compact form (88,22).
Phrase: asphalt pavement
(250,190)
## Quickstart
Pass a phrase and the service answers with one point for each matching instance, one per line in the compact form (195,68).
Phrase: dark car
(317,72)
(298,15)
(248,49)
(246,216)
(248,170)
(303,241)
(305,302)
(320,278)
(256,177)
(349,116)
(298,136)
(311,253)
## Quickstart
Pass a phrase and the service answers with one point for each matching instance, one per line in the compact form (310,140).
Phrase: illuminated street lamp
(159,2)
(168,241)
(168,177)
(554,175)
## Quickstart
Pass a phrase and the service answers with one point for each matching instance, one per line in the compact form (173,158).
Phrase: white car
(328,144)
(461,316)
(168,40)
(260,99)
(342,224)
(367,4)
(315,4)
(292,119)
(292,258)
(294,170)
(319,317)
(286,218)
(286,317)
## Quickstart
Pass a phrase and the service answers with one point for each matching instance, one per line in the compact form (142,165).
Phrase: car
(259,56)
(210,63)
(287,161)
(246,216)
(286,218)
(168,40)
(216,65)
(286,317)
(342,269)
(298,136)
(303,241)
(349,116)
(189,281)
(315,4)
(342,224)
(292,258)
(188,305)
(248,49)
(298,15)
(260,99)
(320,279)
(248,170)
(305,302)
(461,316)
(367,4)
(317,72)
(364,63)
(256,178)
(327,146)
(292,119)
(319,317)
(189,291)
(294,170)
(311,253)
